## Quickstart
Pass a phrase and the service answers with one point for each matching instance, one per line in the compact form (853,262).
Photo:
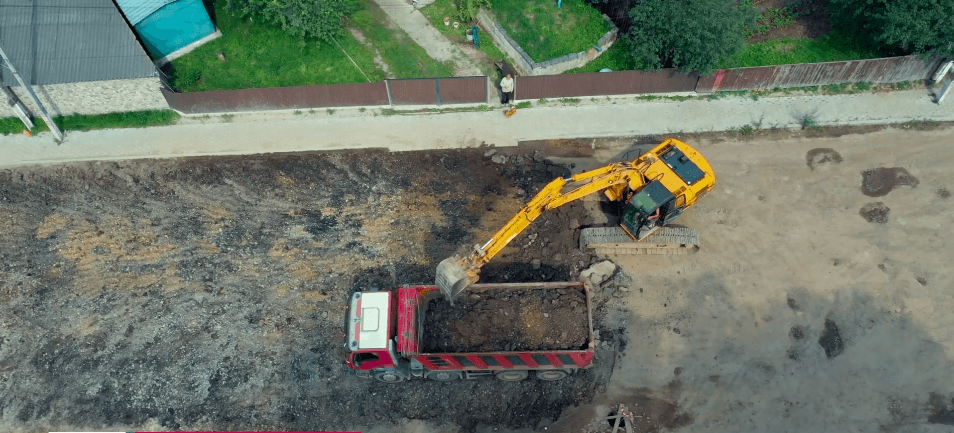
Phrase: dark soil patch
(878,182)
(942,409)
(822,156)
(797,332)
(561,147)
(830,339)
(813,24)
(875,212)
(793,353)
(505,320)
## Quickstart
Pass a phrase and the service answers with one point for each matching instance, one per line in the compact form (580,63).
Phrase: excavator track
(664,241)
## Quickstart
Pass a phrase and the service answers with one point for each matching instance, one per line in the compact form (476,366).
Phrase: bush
(467,9)
(690,35)
(899,26)
(320,19)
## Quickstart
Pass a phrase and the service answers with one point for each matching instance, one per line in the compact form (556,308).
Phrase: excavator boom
(617,181)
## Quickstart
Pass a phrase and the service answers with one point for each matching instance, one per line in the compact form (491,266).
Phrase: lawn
(619,57)
(260,54)
(831,48)
(88,122)
(545,31)
(405,58)
(435,13)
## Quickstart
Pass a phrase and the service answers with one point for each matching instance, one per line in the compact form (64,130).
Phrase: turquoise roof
(138,10)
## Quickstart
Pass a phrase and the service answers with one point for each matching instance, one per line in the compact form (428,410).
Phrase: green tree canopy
(690,35)
(319,19)
(909,26)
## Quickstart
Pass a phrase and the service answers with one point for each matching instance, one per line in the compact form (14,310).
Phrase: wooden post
(29,90)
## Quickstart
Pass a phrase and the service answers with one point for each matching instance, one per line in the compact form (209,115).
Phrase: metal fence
(424,91)
(604,83)
(278,98)
(462,90)
(886,70)
(438,91)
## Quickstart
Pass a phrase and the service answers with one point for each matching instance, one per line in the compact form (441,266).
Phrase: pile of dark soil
(508,320)
(875,212)
(878,182)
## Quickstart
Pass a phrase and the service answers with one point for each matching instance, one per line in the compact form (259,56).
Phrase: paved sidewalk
(416,25)
(349,128)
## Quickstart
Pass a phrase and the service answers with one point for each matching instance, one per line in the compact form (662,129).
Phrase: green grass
(832,48)
(435,13)
(405,57)
(88,122)
(618,57)
(259,55)
(546,32)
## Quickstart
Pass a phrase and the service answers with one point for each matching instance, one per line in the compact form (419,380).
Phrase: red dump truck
(505,331)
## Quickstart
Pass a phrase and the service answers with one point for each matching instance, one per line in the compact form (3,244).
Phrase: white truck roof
(368,324)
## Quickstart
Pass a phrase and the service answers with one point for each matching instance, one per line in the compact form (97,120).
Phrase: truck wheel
(551,375)
(512,375)
(389,377)
(443,376)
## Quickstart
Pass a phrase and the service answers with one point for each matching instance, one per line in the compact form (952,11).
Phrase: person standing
(506,87)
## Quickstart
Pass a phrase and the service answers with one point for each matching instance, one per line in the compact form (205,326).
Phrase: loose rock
(599,272)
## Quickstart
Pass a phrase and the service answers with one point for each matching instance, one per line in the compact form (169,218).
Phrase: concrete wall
(93,97)
(526,65)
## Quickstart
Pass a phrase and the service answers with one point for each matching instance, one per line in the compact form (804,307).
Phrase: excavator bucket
(453,276)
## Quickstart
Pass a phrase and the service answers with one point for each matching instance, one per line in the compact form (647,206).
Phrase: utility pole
(29,90)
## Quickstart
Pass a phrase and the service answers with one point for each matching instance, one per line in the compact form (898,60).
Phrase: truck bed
(504,318)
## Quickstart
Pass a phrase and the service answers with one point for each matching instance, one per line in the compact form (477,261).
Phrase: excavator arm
(455,273)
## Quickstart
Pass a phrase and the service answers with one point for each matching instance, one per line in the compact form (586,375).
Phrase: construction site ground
(208,294)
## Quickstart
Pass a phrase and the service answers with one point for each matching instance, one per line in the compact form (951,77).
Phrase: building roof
(138,10)
(67,41)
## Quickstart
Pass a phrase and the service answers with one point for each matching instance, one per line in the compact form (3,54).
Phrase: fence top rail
(435,78)
(927,61)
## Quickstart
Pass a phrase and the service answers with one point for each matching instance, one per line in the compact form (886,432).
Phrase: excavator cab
(650,207)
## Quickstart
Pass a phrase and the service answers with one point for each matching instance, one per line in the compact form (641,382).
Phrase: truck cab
(370,341)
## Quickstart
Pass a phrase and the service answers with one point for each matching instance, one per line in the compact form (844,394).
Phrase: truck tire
(443,376)
(389,377)
(551,375)
(512,375)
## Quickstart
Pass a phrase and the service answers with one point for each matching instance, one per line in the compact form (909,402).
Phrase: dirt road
(207,294)
(821,299)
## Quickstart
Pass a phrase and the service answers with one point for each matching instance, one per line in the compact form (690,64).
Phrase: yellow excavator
(654,189)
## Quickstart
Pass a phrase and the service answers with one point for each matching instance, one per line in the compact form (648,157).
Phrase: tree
(906,26)
(319,19)
(690,35)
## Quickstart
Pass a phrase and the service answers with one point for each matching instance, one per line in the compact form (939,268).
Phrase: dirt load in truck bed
(508,320)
